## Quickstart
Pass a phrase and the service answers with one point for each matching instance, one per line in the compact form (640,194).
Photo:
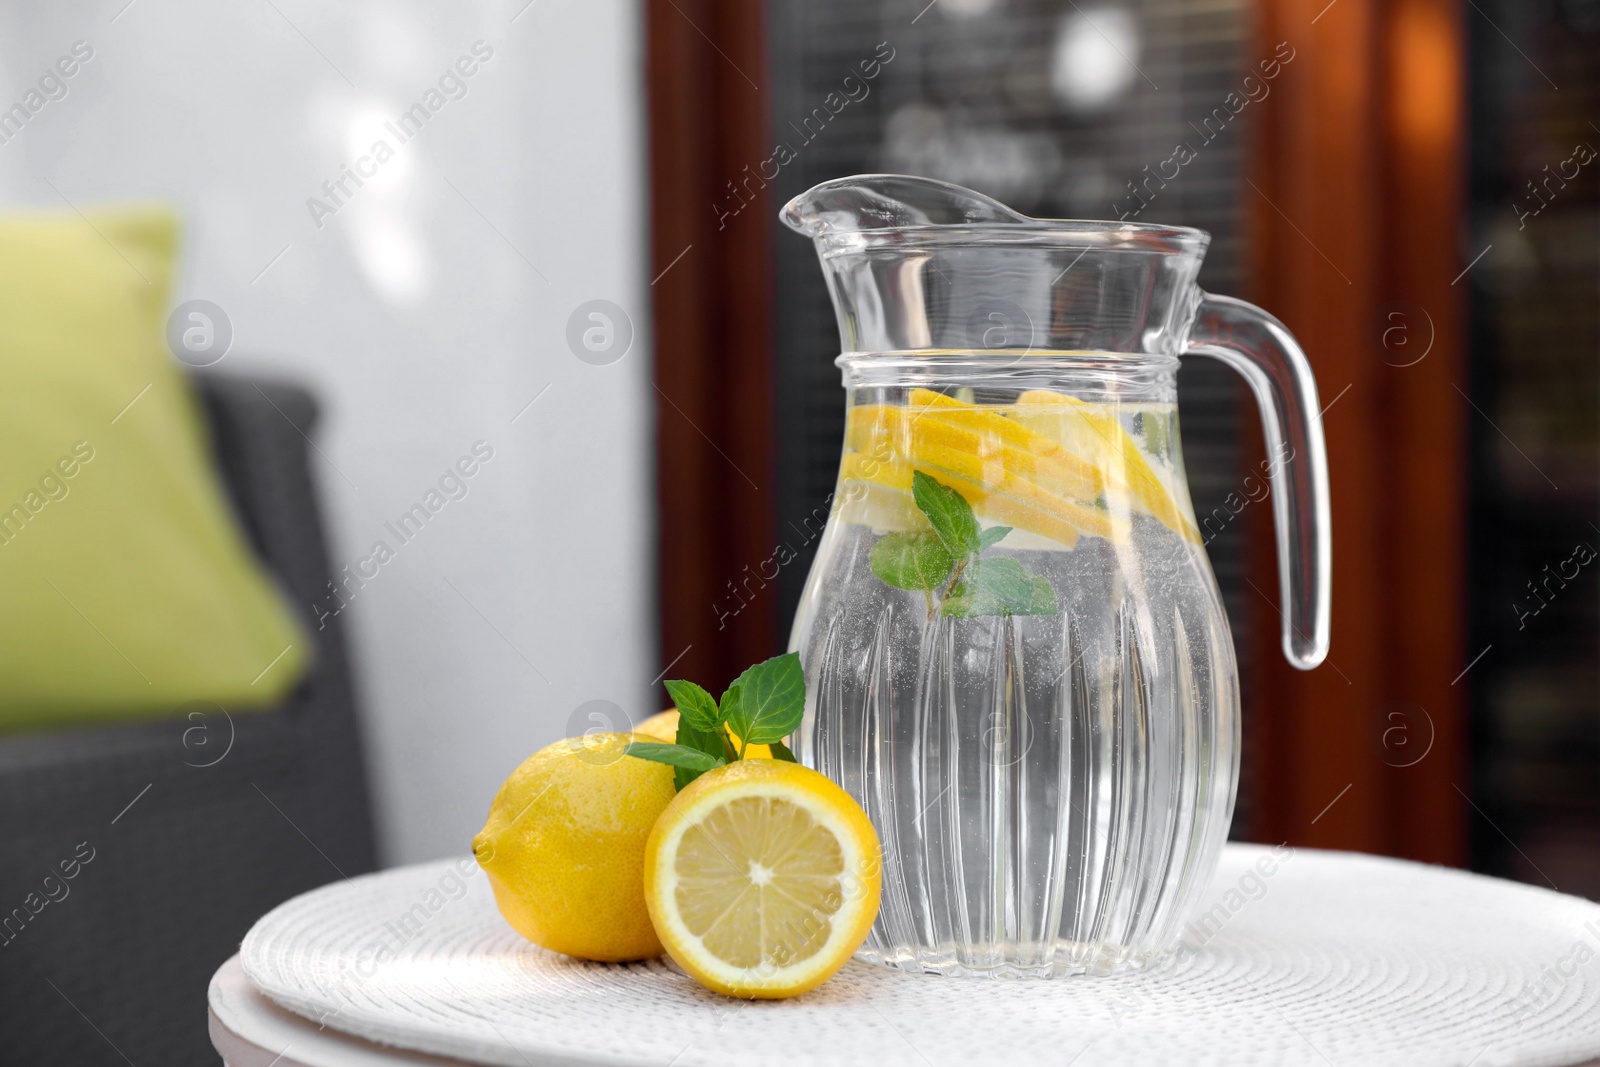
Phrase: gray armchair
(193,826)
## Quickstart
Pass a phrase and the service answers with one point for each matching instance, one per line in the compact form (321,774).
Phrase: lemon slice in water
(1093,432)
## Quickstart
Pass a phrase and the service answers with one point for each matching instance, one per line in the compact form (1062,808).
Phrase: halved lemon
(762,878)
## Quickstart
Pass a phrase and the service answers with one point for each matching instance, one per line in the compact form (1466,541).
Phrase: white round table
(251,1031)
(1296,957)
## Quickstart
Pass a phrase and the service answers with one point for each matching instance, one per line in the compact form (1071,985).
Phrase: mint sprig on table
(948,563)
(763,706)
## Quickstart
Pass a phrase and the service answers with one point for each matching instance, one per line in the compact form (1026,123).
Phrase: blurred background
(565,273)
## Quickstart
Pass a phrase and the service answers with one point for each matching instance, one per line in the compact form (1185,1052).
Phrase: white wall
(419,315)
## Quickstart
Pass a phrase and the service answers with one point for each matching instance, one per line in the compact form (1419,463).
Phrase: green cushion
(127,588)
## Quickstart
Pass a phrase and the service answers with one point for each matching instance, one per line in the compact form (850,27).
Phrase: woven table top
(1297,957)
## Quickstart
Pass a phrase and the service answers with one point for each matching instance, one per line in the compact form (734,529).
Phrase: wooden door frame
(711,300)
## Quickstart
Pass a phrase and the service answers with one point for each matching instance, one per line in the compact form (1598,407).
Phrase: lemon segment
(878,495)
(762,878)
(978,438)
(1075,475)
(1095,432)
(881,508)
(1009,474)
(1051,464)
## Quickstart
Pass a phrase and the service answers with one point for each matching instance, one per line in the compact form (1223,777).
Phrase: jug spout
(891,201)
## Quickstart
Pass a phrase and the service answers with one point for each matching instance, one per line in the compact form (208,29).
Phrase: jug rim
(885,206)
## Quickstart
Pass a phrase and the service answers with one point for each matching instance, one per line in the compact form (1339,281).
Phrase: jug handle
(1263,350)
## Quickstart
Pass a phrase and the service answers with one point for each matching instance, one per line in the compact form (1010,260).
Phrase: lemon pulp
(758,882)
(762,878)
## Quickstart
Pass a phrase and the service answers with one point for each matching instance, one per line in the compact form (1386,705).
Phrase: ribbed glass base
(1002,961)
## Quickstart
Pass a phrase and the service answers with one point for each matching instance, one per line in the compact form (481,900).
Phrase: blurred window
(1535,188)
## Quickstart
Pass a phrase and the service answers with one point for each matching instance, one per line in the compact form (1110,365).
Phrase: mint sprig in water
(949,514)
(763,706)
(948,563)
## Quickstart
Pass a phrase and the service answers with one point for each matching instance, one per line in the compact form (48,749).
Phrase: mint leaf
(999,587)
(911,560)
(730,702)
(713,743)
(676,755)
(695,706)
(971,603)
(1044,599)
(771,700)
(991,537)
(1005,579)
(781,751)
(948,512)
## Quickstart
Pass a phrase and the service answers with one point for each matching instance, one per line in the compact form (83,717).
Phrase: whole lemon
(663,726)
(564,847)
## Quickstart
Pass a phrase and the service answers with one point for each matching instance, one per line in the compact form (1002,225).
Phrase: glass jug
(1016,657)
